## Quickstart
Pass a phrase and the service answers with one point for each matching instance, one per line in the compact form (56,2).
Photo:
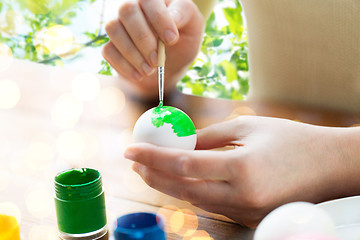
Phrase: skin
(274,161)
(132,49)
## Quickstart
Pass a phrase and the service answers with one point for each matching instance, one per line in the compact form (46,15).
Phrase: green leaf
(240,59)
(38,6)
(233,16)
(210,24)
(219,88)
(236,95)
(197,88)
(64,21)
(106,69)
(186,79)
(70,14)
(244,86)
(230,70)
(63,6)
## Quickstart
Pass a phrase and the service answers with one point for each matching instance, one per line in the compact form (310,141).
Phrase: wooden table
(58,122)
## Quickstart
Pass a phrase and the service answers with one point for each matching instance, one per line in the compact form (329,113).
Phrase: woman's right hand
(132,49)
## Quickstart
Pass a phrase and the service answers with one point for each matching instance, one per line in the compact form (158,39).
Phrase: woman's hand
(132,49)
(274,161)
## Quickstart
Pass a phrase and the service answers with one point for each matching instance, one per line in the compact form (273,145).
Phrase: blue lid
(140,226)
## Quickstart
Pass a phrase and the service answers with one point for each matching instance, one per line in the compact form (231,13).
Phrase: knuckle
(110,27)
(127,9)
(142,37)
(238,168)
(157,18)
(255,201)
(185,165)
(127,51)
(108,47)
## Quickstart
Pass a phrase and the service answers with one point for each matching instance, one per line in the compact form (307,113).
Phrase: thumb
(218,135)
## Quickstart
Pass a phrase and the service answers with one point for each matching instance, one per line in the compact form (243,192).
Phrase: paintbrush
(161,71)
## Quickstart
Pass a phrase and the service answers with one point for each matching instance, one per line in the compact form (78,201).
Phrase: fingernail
(154,58)
(176,16)
(147,69)
(137,76)
(129,154)
(170,36)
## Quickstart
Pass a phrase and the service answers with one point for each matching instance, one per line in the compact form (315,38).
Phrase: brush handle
(161,70)
(161,54)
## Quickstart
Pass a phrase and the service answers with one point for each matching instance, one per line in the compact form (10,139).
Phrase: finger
(191,190)
(196,164)
(126,47)
(118,62)
(181,12)
(136,25)
(220,134)
(158,15)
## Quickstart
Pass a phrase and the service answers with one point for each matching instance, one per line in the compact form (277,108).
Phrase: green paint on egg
(181,123)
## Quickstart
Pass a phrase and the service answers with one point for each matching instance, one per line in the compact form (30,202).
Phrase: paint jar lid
(140,226)
(78,184)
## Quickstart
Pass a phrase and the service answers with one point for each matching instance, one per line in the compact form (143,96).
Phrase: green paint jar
(80,204)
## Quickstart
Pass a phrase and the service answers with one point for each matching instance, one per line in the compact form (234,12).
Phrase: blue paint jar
(140,226)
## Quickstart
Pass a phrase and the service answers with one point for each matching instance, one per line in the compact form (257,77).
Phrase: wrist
(344,153)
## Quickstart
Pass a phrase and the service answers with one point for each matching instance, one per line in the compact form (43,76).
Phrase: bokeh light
(39,155)
(85,86)
(166,212)
(177,221)
(5,50)
(39,202)
(199,235)
(9,94)
(58,39)
(243,110)
(10,209)
(67,111)
(183,222)
(70,145)
(111,101)
(43,232)
(91,145)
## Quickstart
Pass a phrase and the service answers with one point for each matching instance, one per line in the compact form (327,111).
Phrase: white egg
(294,219)
(165,126)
